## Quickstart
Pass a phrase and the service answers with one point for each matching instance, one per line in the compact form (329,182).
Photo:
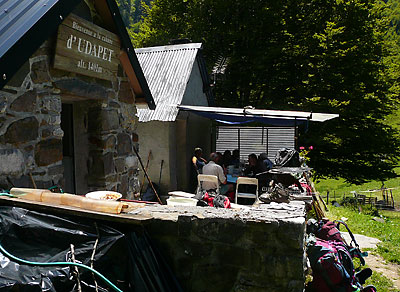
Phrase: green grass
(388,232)
(381,283)
(338,188)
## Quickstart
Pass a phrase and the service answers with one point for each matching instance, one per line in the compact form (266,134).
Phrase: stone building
(177,76)
(69,84)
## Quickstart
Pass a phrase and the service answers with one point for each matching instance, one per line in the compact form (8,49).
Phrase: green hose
(59,264)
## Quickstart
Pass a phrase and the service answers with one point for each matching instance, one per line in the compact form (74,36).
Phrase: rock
(101,165)
(23,181)
(103,120)
(109,120)
(55,170)
(2,120)
(21,131)
(109,143)
(46,133)
(131,162)
(114,104)
(25,103)
(3,106)
(81,88)
(48,152)
(120,164)
(362,240)
(11,162)
(40,72)
(378,219)
(51,104)
(124,145)
(123,186)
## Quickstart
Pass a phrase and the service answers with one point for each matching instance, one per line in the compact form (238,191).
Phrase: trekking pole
(159,180)
(147,176)
(147,167)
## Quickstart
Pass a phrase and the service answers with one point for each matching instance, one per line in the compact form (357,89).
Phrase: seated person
(227,158)
(198,161)
(254,167)
(213,168)
(235,158)
(263,158)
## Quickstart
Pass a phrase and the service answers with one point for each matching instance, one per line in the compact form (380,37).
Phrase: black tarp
(128,258)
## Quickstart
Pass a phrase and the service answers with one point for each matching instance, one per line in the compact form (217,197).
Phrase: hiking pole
(147,176)
(147,167)
(159,180)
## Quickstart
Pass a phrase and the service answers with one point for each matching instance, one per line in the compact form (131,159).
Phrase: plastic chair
(246,181)
(212,179)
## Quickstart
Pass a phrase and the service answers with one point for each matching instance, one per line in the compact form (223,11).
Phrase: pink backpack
(331,260)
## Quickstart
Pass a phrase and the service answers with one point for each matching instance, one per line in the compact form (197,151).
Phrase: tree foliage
(132,12)
(324,56)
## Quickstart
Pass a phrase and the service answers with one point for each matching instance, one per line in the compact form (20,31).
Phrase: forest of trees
(323,56)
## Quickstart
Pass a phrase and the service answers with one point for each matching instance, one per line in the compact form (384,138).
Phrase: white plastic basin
(179,201)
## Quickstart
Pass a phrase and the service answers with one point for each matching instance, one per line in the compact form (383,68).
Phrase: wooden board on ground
(74,211)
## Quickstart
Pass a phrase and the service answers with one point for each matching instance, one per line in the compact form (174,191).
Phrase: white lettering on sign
(86,47)
(91,33)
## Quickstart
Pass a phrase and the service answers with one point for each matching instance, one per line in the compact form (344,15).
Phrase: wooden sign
(85,48)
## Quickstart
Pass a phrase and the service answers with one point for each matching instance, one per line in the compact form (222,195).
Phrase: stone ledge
(293,213)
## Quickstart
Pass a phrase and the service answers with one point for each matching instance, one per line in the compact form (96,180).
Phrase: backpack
(286,157)
(331,260)
(332,265)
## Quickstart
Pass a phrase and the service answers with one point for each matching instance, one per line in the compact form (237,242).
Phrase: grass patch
(388,232)
(339,188)
(381,283)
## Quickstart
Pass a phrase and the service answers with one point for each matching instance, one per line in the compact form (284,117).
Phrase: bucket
(179,201)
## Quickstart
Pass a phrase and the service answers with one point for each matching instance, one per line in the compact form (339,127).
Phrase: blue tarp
(244,119)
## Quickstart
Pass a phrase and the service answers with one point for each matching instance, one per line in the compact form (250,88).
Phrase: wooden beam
(130,73)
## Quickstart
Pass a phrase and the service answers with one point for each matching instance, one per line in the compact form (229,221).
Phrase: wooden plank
(73,211)
(85,48)
(134,82)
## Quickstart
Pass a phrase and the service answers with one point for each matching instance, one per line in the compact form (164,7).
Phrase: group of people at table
(227,167)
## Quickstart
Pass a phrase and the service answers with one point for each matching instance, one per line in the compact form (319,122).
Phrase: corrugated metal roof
(167,70)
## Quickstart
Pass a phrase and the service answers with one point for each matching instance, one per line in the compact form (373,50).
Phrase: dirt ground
(376,262)
(389,270)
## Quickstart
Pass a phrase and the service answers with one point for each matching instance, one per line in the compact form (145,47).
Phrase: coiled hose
(109,283)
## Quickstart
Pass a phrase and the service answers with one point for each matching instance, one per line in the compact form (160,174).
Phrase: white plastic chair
(246,181)
(212,179)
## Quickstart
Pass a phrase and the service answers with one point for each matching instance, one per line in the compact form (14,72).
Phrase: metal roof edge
(127,44)
(274,114)
(168,48)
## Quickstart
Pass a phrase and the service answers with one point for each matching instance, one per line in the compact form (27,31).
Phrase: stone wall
(209,249)
(31,133)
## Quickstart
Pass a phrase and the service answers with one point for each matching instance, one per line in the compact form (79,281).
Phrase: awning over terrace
(248,115)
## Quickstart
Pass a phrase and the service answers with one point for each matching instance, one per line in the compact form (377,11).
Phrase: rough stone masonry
(209,249)
(31,134)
